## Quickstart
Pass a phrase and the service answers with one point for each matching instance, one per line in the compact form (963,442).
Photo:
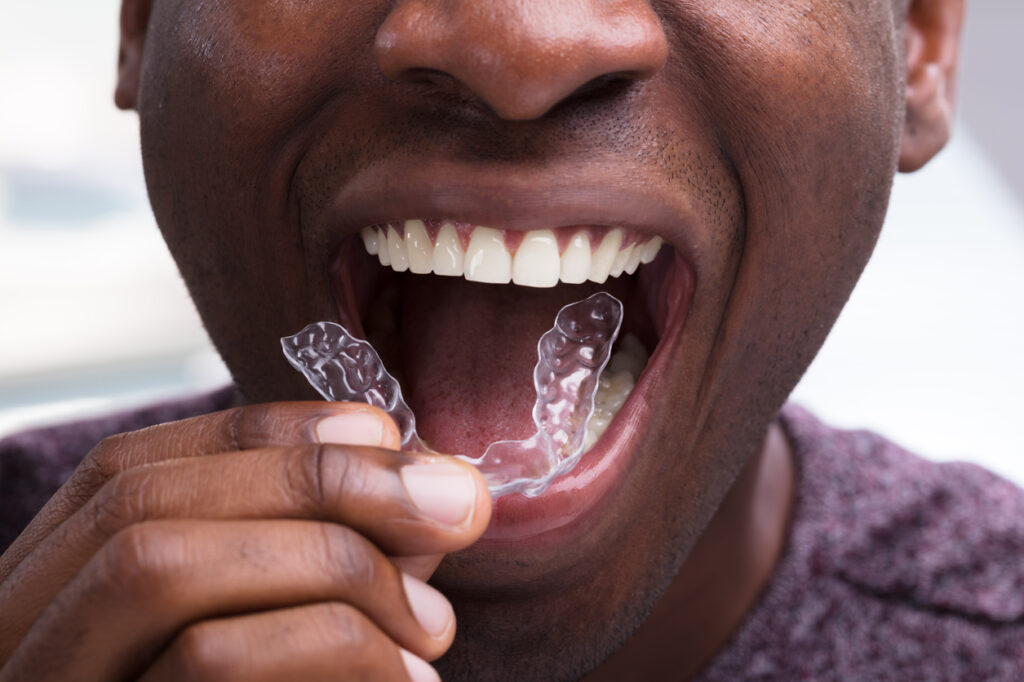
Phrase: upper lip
(519,200)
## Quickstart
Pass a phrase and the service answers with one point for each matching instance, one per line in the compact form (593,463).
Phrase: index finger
(248,427)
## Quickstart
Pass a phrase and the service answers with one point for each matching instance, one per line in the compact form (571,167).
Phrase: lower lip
(564,507)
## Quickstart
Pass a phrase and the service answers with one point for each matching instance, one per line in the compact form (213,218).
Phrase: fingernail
(443,492)
(431,609)
(418,669)
(351,428)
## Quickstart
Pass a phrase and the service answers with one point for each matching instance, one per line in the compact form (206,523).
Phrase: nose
(521,57)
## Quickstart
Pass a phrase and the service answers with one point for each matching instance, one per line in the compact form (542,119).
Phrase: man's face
(758,139)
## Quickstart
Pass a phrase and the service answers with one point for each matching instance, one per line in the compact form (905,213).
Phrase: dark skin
(767,136)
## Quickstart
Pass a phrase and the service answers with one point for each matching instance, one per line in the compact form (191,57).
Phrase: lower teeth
(575,403)
(614,386)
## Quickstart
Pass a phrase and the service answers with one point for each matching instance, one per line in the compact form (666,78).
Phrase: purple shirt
(896,568)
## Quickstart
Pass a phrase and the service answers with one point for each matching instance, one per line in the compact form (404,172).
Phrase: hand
(260,543)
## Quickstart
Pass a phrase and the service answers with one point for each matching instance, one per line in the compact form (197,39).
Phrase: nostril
(609,83)
(427,76)
(521,61)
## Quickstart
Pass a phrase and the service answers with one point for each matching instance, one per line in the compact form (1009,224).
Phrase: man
(290,147)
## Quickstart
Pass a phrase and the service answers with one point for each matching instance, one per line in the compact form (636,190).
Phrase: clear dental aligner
(344,368)
(571,357)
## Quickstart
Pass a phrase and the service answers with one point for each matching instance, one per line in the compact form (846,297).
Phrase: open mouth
(455,311)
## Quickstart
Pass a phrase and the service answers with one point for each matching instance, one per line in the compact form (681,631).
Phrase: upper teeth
(536,263)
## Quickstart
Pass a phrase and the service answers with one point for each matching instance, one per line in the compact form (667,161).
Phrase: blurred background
(94,317)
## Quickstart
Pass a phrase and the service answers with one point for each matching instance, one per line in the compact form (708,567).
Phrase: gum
(570,359)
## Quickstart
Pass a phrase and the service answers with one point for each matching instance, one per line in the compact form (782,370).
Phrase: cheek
(811,120)
(234,83)
(806,105)
(227,91)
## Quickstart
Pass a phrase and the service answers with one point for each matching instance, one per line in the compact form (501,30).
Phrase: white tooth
(385,253)
(536,263)
(634,259)
(602,260)
(576,259)
(418,247)
(616,403)
(487,259)
(631,357)
(396,251)
(598,423)
(651,249)
(621,258)
(370,240)
(621,386)
(614,386)
(448,256)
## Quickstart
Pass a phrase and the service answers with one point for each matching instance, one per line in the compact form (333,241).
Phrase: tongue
(468,358)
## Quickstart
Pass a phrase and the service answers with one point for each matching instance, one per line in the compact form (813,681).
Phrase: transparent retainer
(570,359)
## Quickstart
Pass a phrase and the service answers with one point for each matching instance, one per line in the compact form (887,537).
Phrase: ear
(134,19)
(933,45)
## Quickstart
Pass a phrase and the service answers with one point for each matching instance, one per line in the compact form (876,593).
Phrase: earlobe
(929,121)
(134,20)
(933,40)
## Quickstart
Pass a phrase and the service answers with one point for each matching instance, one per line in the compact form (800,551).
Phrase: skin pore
(759,139)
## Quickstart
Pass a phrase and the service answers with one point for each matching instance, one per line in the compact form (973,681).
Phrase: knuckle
(343,474)
(199,654)
(302,476)
(107,457)
(139,564)
(102,463)
(117,505)
(318,474)
(111,510)
(347,627)
(349,557)
(236,427)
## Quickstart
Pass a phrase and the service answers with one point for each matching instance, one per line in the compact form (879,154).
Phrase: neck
(722,578)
